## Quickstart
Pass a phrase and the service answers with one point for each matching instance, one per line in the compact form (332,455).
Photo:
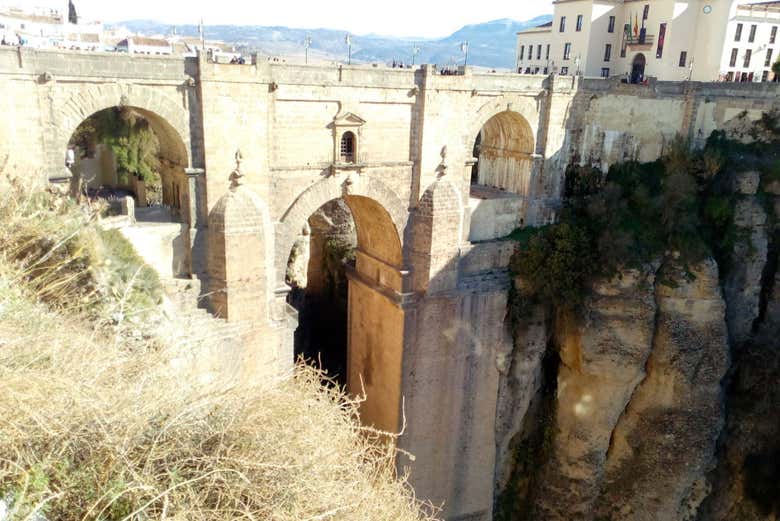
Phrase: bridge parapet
(84,64)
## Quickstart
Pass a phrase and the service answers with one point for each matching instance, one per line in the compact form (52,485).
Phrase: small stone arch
(524,107)
(506,151)
(169,119)
(371,203)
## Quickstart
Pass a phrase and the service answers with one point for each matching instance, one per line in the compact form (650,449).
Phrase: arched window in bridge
(348,147)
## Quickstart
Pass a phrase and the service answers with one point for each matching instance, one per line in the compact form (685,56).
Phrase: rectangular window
(733,60)
(730,76)
(579,22)
(539,52)
(646,12)
(563,24)
(522,52)
(548,52)
(683,58)
(605,72)
(607,52)
(659,53)
(611,28)
(773,34)
(768,60)
(545,70)
(765,76)
(738,34)
(564,71)
(536,70)
(752,35)
(748,55)
(566,51)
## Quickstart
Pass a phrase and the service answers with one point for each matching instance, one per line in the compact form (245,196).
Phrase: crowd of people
(401,65)
(14,39)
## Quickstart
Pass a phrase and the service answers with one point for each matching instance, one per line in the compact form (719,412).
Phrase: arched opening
(126,150)
(638,68)
(344,271)
(316,274)
(347,149)
(504,151)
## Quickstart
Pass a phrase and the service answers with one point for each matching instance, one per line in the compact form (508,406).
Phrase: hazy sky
(425,18)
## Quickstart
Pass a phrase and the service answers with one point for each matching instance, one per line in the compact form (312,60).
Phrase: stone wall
(429,294)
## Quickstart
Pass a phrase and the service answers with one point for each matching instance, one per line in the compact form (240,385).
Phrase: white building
(144,45)
(46,27)
(702,40)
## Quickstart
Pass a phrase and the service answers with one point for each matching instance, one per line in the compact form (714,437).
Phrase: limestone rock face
(745,485)
(520,379)
(602,362)
(743,285)
(665,442)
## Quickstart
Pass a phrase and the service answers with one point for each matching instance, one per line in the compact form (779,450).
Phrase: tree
(776,69)
(129,136)
(72,16)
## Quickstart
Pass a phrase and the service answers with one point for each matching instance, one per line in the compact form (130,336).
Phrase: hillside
(103,420)
(491,44)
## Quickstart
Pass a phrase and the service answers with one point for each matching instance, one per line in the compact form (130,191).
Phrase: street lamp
(348,41)
(306,45)
(464,48)
(415,50)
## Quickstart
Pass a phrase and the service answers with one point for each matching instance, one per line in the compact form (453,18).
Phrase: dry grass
(95,428)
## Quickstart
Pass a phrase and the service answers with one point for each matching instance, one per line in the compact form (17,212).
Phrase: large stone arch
(168,118)
(379,214)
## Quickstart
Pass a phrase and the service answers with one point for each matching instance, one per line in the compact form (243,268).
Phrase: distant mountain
(491,44)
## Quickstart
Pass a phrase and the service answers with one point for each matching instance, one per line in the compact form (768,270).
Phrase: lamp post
(464,48)
(415,50)
(348,41)
(202,36)
(306,45)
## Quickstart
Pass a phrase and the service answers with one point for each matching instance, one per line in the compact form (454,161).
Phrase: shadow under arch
(380,218)
(375,316)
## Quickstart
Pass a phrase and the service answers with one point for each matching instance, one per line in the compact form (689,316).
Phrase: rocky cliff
(663,402)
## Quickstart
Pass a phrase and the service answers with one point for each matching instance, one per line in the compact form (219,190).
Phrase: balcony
(642,39)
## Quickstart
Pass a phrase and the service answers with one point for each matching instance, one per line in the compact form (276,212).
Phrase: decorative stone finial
(236,177)
(442,168)
(347,185)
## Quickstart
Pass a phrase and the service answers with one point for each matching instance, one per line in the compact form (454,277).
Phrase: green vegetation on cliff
(130,138)
(680,207)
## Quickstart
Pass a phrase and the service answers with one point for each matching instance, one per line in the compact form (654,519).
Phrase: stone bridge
(436,171)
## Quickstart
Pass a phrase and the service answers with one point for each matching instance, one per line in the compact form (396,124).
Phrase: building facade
(699,40)
(48,28)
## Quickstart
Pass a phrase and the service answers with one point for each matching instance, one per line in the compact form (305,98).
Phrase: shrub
(100,426)
(93,430)
(61,255)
